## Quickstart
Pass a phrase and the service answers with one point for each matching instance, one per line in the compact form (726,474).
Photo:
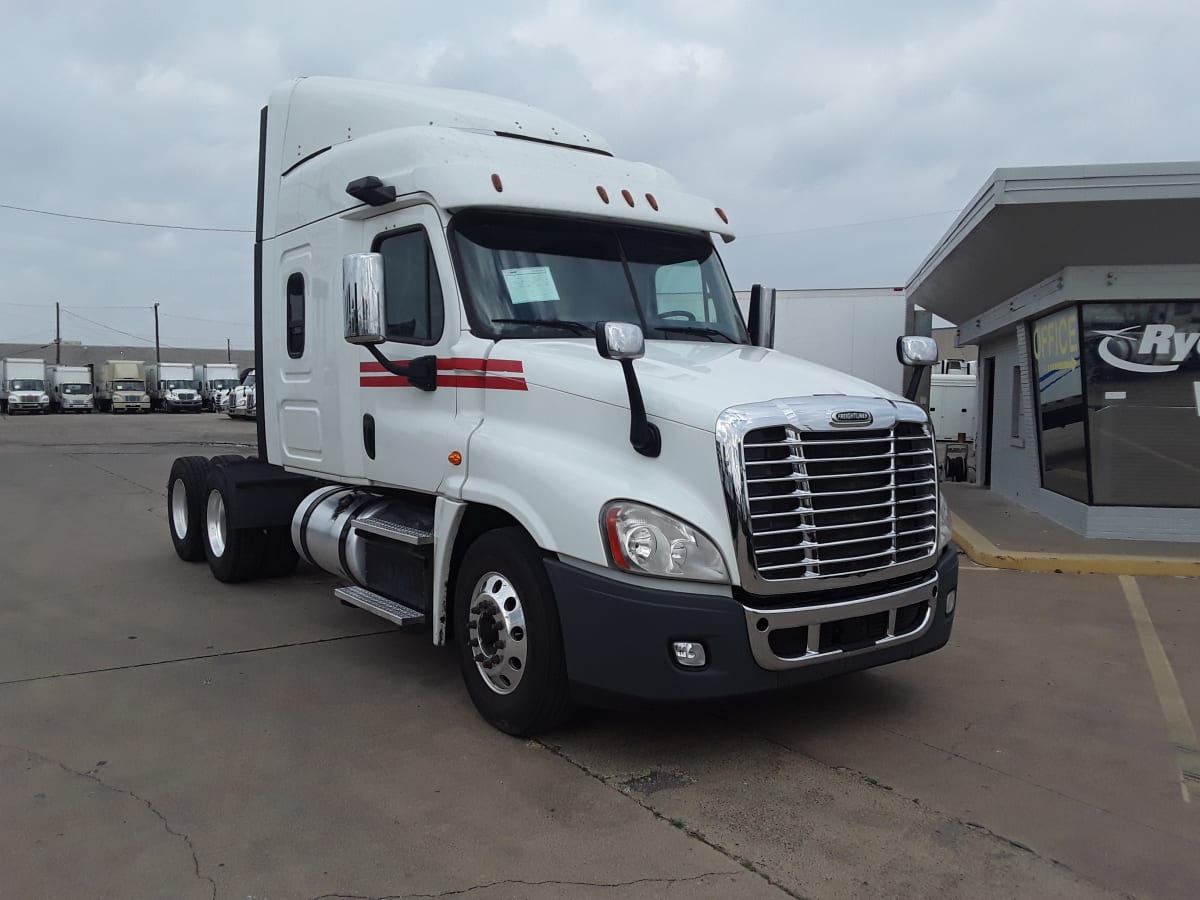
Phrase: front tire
(508,634)
(234,554)
(185,506)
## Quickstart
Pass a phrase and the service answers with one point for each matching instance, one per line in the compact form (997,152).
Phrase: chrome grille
(839,503)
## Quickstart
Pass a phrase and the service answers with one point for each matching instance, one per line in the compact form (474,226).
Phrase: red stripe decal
(492,382)
(451,364)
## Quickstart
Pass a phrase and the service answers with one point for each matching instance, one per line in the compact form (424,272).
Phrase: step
(379,605)
(397,531)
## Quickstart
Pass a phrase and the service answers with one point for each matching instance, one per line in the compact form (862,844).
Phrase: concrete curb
(984,552)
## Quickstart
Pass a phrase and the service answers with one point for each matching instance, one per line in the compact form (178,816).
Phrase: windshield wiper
(582,328)
(701,330)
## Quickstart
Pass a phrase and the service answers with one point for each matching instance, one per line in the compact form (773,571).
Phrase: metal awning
(1027,224)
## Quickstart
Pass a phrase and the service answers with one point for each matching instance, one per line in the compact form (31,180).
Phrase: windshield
(222,384)
(75,388)
(27,384)
(249,382)
(128,386)
(178,385)
(543,277)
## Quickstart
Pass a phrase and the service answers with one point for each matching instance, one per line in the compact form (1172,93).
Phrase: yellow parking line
(1179,723)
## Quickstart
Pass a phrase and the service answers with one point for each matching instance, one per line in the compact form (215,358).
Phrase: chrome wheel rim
(496,633)
(179,508)
(216,523)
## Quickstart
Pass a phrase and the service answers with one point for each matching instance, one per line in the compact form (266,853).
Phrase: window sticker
(531,284)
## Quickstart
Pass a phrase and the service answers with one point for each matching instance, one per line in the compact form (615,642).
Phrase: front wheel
(508,634)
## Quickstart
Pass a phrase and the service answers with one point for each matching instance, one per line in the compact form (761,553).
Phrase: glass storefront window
(1142,365)
(1059,398)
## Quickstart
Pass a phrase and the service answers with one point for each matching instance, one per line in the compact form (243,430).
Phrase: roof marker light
(721,213)
(497,183)
(628,197)
(602,192)
(653,203)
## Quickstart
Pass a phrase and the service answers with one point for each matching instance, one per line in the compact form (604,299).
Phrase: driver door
(406,431)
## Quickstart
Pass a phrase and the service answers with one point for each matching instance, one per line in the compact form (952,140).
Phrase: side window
(295,315)
(679,289)
(413,294)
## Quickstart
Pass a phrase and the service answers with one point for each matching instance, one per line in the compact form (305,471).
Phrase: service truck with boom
(70,388)
(173,387)
(121,386)
(505,394)
(216,381)
(23,386)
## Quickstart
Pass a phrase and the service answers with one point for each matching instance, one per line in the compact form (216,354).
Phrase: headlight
(43,399)
(646,540)
(945,533)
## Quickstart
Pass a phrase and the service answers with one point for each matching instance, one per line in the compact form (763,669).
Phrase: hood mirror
(620,340)
(918,353)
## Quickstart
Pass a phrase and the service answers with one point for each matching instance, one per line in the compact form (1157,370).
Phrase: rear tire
(234,554)
(504,605)
(185,506)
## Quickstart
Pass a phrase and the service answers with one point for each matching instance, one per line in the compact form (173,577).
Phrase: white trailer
(216,381)
(23,386)
(852,330)
(121,386)
(70,388)
(494,363)
(173,387)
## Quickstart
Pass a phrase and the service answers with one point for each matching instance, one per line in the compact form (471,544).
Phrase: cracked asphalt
(166,736)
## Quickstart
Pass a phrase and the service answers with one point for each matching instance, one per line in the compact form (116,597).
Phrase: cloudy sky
(842,137)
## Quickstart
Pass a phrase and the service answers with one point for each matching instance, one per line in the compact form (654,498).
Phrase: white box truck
(23,386)
(70,388)
(173,387)
(505,393)
(121,386)
(216,381)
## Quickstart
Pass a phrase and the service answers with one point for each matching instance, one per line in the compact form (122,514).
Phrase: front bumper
(618,636)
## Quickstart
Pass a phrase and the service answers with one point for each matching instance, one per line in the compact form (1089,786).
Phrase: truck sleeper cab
(504,392)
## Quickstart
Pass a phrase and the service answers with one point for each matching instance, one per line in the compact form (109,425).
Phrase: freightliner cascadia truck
(505,394)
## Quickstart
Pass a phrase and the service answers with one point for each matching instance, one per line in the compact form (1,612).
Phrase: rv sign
(1160,341)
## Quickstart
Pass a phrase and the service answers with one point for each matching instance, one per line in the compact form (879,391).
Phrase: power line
(62,215)
(166,315)
(940,212)
(110,328)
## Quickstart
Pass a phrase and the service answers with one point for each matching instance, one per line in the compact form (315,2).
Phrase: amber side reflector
(653,203)
(721,213)
(497,183)
(628,197)
(602,192)
(455,458)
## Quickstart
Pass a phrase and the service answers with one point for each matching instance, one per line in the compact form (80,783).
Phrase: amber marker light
(721,213)
(602,192)
(497,183)
(653,203)
(455,458)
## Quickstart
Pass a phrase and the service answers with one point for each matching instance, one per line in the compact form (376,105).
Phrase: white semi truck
(216,381)
(173,387)
(121,386)
(23,386)
(505,394)
(70,388)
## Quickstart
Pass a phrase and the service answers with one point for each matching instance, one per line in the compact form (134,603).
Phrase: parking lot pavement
(163,735)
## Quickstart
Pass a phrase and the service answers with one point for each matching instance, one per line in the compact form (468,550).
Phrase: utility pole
(157,351)
(57,334)
(228,352)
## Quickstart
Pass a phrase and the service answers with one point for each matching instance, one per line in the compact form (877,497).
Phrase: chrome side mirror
(620,340)
(916,351)
(362,295)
